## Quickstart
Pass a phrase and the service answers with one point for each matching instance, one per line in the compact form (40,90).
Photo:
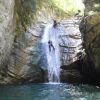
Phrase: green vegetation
(69,6)
(97,7)
(26,10)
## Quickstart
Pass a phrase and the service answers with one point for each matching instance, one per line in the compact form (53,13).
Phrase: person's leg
(52,47)
(49,47)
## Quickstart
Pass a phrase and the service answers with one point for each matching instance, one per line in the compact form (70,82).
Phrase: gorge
(24,47)
(21,48)
(38,61)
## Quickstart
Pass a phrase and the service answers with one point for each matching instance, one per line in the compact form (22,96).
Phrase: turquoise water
(49,92)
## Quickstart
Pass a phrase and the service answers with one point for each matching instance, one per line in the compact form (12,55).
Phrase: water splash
(52,52)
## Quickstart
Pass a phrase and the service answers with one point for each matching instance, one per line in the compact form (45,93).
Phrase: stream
(52,91)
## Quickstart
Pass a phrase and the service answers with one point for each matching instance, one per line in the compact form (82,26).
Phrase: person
(51,46)
(77,14)
(54,23)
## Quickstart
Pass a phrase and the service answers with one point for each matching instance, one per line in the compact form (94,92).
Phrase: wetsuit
(51,45)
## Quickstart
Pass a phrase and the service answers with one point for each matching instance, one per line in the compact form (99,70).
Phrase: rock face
(88,70)
(71,46)
(21,25)
(90,28)
(72,52)
(17,45)
(72,73)
(21,28)
(7,33)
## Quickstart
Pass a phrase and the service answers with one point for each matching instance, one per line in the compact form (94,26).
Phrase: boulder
(72,73)
(90,28)
(71,76)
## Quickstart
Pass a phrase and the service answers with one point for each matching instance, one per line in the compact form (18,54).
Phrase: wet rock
(21,25)
(71,76)
(76,65)
(90,28)
(72,73)
(91,35)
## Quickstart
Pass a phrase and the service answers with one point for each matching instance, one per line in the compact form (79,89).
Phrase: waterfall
(52,52)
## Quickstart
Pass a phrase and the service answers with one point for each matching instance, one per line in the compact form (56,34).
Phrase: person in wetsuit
(50,42)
